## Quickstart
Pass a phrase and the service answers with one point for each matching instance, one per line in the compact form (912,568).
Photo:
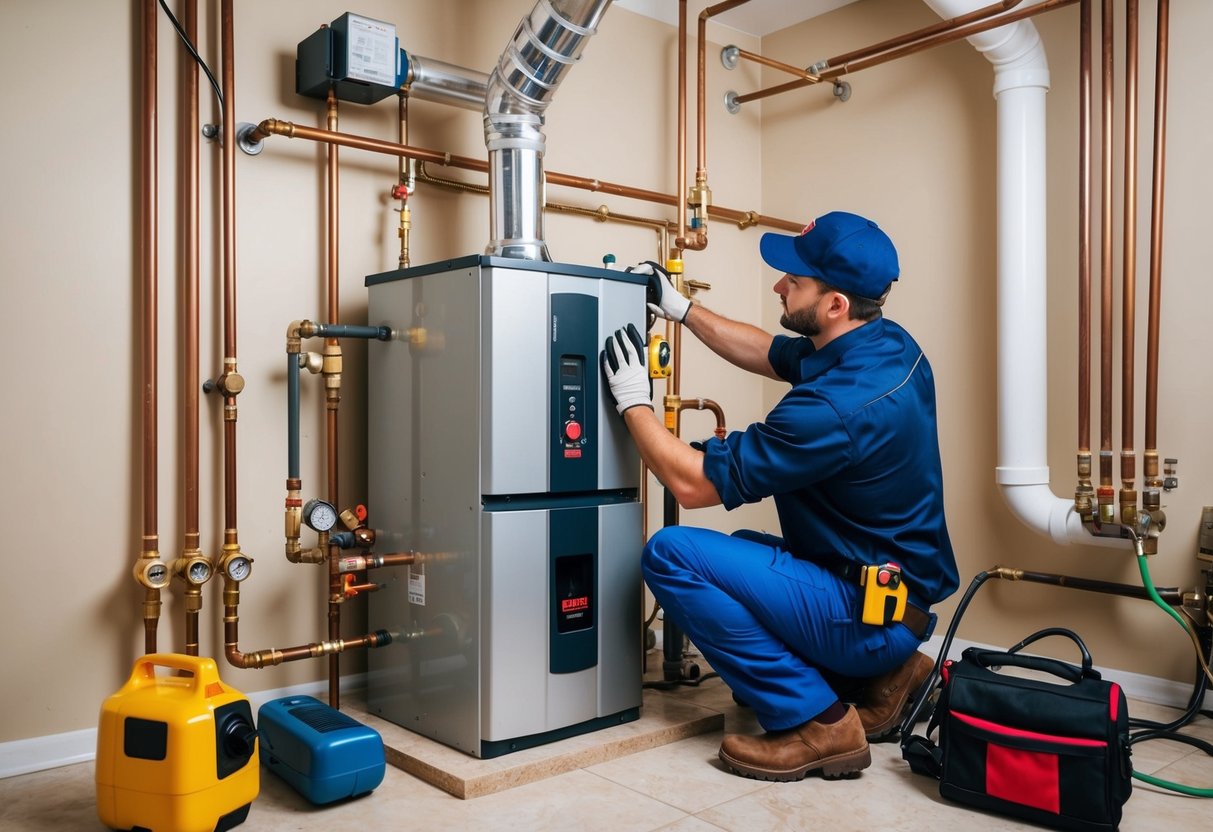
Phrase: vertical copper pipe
(190,299)
(148,244)
(229,274)
(680,240)
(333,397)
(1151,480)
(1084,229)
(1083,492)
(1128,457)
(1107,86)
(701,124)
(1156,218)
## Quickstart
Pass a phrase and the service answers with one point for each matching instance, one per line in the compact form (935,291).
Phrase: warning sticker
(417,585)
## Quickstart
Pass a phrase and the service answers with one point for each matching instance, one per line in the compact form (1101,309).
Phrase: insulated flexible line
(1193,791)
(194,53)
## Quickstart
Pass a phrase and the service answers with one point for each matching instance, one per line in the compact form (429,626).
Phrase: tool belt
(884,595)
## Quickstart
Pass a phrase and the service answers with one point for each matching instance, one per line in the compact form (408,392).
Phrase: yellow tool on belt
(882,582)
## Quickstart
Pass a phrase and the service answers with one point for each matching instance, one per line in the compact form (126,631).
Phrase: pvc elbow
(1035,505)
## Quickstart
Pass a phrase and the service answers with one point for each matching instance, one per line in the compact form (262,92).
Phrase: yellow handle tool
(881,582)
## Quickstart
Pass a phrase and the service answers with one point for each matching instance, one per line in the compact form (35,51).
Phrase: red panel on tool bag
(1025,777)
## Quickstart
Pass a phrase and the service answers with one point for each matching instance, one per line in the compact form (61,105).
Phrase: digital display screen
(574,593)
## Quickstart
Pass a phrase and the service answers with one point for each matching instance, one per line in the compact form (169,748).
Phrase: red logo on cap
(808,228)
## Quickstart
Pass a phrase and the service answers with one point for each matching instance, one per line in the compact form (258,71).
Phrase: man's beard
(803,322)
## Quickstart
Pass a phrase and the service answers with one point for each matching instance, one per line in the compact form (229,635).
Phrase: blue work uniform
(851,457)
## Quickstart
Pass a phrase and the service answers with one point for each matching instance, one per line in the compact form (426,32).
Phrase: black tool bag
(1053,752)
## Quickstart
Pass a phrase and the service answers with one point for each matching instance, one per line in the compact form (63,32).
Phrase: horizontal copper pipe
(803,74)
(917,45)
(602,213)
(935,28)
(274,127)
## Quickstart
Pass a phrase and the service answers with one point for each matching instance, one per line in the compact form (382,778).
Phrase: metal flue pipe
(545,45)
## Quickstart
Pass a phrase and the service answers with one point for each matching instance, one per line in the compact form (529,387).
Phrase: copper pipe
(1108,80)
(191,544)
(802,74)
(681,242)
(1156,220)
(1128,457)
(744,219)
(935,28)
(703,194)
(229,181)
(1084,229)
(706,404)
(1084,493)
(602,213)
(148,244)
(275,656)
(917,45)
(333,393)
(230,382)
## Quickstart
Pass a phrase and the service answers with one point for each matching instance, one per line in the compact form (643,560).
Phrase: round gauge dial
(319,515)
(239,568)
(200,572)
(157,574)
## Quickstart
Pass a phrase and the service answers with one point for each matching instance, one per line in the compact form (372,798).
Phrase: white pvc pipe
(1021,80)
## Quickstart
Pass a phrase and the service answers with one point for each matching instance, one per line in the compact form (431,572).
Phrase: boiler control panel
(574,392)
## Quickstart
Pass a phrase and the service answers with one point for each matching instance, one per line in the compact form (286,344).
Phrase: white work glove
(663,299)
(625,362)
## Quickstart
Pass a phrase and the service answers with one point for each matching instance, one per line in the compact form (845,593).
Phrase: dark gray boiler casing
(496,454)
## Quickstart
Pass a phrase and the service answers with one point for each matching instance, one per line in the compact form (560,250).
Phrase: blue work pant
(770,624)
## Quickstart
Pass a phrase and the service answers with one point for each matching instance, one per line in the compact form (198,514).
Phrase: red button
(572,431)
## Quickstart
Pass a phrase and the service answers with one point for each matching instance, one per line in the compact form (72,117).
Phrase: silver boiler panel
(496,454)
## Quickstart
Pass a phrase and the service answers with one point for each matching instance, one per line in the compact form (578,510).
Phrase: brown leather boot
(885,698)
(836,750)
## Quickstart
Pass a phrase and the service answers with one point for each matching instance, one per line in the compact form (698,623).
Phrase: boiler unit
(496,454)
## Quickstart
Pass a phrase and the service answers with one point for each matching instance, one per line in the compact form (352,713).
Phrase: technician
(851,457)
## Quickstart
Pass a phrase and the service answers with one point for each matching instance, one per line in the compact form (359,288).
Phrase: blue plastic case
(324,754)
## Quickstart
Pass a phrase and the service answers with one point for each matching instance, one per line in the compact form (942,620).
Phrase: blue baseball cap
(845,250)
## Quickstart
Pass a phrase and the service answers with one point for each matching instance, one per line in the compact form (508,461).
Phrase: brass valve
(152,573)
(193,568)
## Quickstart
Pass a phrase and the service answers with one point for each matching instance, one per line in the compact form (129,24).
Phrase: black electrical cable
(194,52)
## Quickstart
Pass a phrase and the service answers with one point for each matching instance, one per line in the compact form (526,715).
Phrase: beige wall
(71,447)
(914,148)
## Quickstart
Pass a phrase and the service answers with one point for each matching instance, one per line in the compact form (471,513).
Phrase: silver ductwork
(429,80)
(545,45)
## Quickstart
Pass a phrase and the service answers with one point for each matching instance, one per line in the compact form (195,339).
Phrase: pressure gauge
(199,572)
(157,575)
(319,515)
(238,568)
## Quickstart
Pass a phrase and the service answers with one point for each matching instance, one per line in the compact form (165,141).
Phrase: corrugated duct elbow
(544,47)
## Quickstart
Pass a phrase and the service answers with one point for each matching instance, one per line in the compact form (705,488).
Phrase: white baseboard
(41,753)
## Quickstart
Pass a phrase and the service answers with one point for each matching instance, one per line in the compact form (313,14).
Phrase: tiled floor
(679,787)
